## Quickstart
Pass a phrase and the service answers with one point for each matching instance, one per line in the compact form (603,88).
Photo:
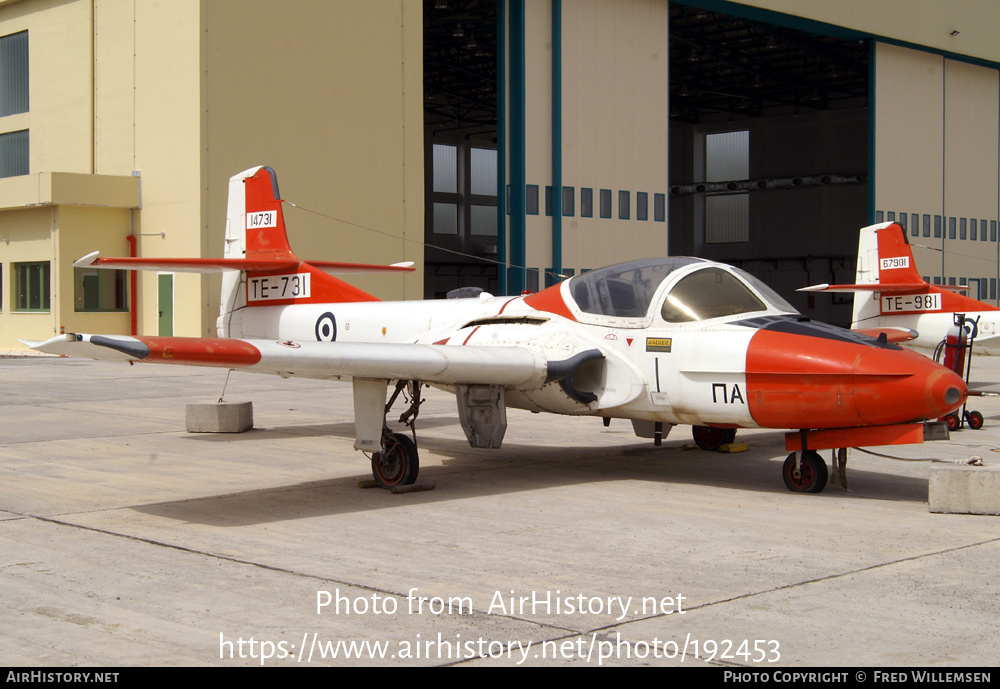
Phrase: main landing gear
(712,438)
(397,463)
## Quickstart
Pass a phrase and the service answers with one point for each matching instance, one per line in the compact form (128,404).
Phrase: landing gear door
(482,410)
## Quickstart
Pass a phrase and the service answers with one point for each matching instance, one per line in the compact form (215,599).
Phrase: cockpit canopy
(703,291)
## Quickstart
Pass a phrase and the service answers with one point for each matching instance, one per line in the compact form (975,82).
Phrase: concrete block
(221,417)
(958,489)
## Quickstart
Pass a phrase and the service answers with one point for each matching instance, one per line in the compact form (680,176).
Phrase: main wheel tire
(812,474)
(975,420)
(712,438)
(398,465)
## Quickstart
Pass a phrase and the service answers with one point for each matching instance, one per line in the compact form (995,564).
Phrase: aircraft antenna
(414,241)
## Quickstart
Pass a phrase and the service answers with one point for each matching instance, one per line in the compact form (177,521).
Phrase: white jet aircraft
(657,341)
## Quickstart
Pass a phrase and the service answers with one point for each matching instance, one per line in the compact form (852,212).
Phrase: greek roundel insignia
(326,328)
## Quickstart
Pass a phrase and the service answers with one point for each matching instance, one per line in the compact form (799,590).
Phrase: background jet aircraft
(657,341)
(891,297)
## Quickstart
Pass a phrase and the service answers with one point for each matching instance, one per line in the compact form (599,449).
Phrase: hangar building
(503,144)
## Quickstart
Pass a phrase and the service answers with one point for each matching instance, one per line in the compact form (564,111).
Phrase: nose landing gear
(805,472)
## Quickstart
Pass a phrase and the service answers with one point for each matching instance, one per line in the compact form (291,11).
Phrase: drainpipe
(132,287)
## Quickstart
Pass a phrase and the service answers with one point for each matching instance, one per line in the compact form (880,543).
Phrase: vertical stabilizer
(255,231)
(895,257)
(866,304)
(234,282)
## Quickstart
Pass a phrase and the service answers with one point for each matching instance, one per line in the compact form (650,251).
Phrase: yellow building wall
(909,106)
(168,153)
(189,93)
(115,97)
(58,218)
(59,46)
(616,122)
(330,95)
(538,130)
(937,154)
(186,93)
(25,237)
(79,231)
(971,166)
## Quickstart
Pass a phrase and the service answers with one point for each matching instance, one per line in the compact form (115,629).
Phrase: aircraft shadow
(471,473)
(342,429)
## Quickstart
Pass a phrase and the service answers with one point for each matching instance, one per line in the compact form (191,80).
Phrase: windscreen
(714,293)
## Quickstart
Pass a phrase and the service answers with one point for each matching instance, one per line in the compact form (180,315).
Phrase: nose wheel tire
(398,465)
(711,438)
(810,476)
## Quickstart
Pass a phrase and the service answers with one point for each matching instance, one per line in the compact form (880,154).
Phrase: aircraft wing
(444,364)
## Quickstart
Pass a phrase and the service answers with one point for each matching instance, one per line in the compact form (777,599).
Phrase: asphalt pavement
(127,541)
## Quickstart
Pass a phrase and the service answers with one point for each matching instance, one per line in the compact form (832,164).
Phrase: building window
(13,101)
(445,168)
(530,201)
(641,205)
(445,186)
(31,285)
(14,154)
(727,159)
(14,74)
(446,218)
(100,290)
(483,220)
(624,205)
(586,202)
(480,199)
(464,191)
(659,207)
(568,201)
(605,203)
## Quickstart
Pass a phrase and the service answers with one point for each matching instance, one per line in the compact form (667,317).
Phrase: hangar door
(937,163)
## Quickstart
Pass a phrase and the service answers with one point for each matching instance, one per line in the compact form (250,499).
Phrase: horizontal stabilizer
(215,265)
(892,334)
(895,288)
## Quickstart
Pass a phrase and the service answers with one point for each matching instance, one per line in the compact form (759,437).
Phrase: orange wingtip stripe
(201,351)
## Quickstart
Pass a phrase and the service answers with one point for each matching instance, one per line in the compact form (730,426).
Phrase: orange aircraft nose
(802,374)
(899,386)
